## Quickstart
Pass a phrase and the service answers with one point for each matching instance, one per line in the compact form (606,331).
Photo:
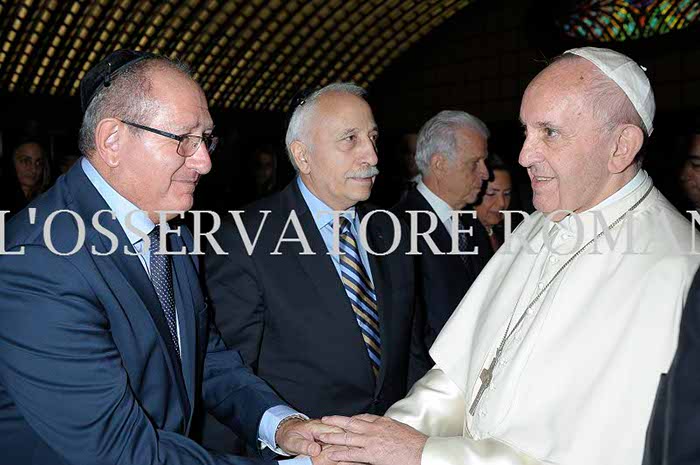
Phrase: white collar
(442,209)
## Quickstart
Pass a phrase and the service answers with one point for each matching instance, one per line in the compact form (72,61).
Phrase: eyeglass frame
(179,138)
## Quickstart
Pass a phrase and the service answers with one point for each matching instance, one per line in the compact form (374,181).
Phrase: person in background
(451,156)
(690,173)
(495,199)
(264,171)
(30,177)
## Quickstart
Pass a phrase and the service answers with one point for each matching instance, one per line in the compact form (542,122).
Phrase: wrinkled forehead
(342,110)
(558,88)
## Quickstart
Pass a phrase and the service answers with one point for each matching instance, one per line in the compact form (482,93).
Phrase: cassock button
(482,413)
(540,285)
(553,259)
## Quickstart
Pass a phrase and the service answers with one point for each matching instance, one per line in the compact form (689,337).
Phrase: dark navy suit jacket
(441,280)
(673,435)
(88,371)
(290,317)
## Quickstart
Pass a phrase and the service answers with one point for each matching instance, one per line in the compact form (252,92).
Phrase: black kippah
(103,72)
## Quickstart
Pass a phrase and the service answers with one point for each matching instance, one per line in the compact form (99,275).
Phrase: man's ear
(438,164)
(109,138)
(300,153)
(627,146)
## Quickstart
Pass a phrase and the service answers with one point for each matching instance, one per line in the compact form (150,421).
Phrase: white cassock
(576,382)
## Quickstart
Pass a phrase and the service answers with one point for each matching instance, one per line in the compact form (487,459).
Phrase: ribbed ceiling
(247,55)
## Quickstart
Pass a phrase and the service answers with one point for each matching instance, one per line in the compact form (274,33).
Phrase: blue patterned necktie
(360,291)
(162,278)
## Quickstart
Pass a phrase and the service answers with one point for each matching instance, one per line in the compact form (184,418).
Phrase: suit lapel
(124,273)
(324,276)
(186,286)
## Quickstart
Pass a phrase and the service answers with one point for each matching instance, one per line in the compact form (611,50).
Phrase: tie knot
(154,237)
(344,225)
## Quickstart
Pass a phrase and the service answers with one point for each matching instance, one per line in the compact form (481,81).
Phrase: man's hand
(374,440)
(324,457)
(297,436)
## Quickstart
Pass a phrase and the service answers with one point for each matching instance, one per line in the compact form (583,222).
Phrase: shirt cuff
(268,427)
(297,461)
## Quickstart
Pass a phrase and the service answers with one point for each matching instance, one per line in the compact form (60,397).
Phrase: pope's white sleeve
(436,407)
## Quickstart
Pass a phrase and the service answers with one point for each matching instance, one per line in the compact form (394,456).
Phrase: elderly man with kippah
(107,350)
(554,354)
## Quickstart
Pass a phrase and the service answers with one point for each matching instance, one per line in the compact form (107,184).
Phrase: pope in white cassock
(555,353)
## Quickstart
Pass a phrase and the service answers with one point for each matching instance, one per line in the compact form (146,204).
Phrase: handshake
(348,440)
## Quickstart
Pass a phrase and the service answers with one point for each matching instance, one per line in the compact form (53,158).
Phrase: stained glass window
(618,20)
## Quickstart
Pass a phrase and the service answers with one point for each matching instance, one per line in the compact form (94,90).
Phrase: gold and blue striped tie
(360,291)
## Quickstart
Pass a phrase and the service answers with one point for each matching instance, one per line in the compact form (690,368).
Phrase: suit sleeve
(64,372)
(231,392)
(436,407)
(235,295)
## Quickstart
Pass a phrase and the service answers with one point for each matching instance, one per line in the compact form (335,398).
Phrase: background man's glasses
(188,144)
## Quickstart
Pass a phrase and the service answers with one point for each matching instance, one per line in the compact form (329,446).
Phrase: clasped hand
(368,439)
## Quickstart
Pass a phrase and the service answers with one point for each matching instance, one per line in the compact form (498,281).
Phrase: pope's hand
(374,440)
(324,457)
(297,436)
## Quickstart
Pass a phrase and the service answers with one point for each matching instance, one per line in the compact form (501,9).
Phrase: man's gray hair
(438,136)
(128,98)
(298,123)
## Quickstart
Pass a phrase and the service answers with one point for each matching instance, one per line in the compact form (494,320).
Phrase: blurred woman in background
(496,198)
(27,177)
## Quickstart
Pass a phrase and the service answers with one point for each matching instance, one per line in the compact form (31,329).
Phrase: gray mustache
(363,173)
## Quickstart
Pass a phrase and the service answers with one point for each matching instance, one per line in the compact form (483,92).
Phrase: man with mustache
(555,353)
(329,332)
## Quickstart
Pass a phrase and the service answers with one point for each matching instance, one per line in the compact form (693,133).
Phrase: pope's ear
(109,138)
(628,144)
(300,154)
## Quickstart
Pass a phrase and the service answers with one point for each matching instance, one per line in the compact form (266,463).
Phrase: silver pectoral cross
(486,377)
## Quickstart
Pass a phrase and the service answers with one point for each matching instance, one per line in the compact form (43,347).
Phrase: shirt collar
(442,209)
(318,208)
(120,206)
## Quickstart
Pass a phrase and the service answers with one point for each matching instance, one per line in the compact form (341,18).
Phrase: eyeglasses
(188,144)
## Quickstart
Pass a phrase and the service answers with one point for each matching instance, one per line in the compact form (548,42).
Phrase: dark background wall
(479,61)
(482,59)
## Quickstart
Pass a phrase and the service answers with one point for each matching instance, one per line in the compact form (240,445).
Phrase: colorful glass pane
(618,20)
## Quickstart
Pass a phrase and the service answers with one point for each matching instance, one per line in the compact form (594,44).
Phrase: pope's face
(566,149)
(152,174)
(342,152)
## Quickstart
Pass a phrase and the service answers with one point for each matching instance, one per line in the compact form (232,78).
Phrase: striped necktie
(162,279)
(360,291)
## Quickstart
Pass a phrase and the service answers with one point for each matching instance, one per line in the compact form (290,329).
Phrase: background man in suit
(451,155)
(328,332)
(106,353)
